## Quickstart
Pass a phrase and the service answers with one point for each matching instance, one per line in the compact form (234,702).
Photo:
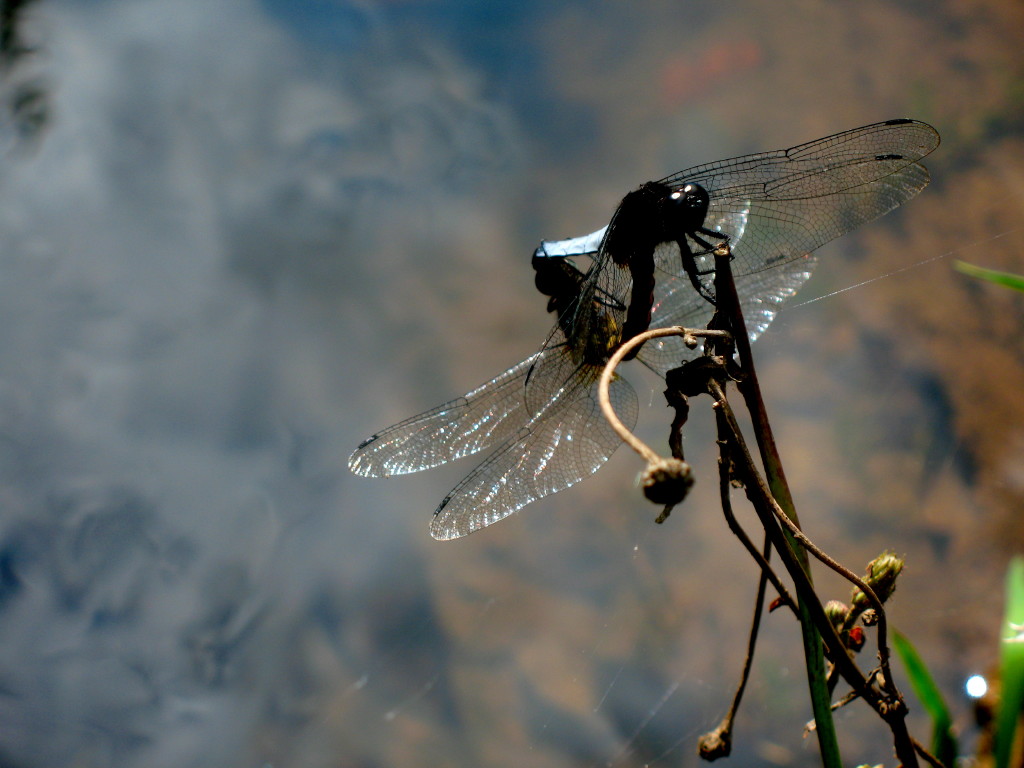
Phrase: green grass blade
(1011,664)
(944,744)
(1007,279)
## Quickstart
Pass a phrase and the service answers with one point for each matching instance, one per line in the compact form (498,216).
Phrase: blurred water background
(236,237)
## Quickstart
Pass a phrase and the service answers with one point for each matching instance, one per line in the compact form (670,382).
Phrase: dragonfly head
(687,206)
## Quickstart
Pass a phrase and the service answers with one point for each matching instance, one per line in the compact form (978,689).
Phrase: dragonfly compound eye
(687,206)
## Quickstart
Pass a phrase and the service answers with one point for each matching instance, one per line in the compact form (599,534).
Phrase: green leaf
(1011,664)
(944,744)
(1007,279)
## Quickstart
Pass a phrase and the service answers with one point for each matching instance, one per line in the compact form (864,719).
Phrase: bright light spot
(976,686)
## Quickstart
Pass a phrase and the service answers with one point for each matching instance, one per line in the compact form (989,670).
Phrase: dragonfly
(652,264)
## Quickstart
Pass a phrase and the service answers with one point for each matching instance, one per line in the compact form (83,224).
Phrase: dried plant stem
(750,389)
(689,336)
(773,503)
(891,709)
(776,524)
(761,559)
(781,498)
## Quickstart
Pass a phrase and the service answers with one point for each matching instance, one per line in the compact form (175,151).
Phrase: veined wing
(564,443)
(493,412)
(776,208)
(482,418)
(677,303)
(795,200)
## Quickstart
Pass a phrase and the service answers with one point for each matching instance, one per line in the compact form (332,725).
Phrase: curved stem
(605,381)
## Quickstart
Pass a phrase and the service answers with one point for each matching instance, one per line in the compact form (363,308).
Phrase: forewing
(565,443)
(777,208)
(795,171)
(795,200)
(482,418)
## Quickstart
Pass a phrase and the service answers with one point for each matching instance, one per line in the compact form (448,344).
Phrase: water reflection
(250,235)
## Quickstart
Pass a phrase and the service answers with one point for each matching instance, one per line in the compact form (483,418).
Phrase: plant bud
(667,481)
(837,611)
(881,577)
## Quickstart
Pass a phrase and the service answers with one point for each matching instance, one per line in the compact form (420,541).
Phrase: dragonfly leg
(690,266)
(720,236)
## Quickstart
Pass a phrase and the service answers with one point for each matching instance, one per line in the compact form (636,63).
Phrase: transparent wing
(676,303)
(821,167)
(795,200)
(566,442)
(483,417)
(777,208)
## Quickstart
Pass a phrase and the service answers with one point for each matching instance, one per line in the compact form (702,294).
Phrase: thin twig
(794,530)
(851,696)
(718,742)
(761,559)
(846,573)
(757,491)
(750,389)
(927,756)
(763,501)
